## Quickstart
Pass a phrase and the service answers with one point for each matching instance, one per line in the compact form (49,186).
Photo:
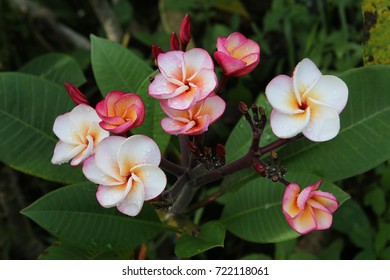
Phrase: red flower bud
(77,96)
(185,32)
(220,150)
(174,43)
(156,50)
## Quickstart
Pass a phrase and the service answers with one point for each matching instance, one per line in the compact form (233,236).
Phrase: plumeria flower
(307,102)
(185,78)
(127,172)
(79,133)
(195,120)
(308,209)
(237,55)
(120,111)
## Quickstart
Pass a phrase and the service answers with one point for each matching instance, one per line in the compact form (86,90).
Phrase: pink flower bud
(237,55)
(308,209)
(185,32)
(156,50)
(121,112)
(77,96)
(174,43)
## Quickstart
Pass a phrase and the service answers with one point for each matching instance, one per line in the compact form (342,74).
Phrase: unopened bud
(243,108)
(220,150)
(156,50)
(174,43)
(185,32)
(259,168)
(77,96)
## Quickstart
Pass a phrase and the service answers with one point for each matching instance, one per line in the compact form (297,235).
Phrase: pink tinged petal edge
(153,179)
(221,45)
(205,81)
(161,87)
(235,40)
(195,60)
(248,47)
(323,219)
(94,174)
(172,113)
(332,91)
(106,156)
(175,127)
(289,203)
(287,126)
(183,101)
(328,200)
(324,122)
(305,76)
(170,65)
(280,94)
(202,125)
(303,223)
(109,196)
(64,152)
(304,196)
(228,63)
(214,107)
(133,202)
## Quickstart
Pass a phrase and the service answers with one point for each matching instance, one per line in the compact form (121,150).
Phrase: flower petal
(85,153)
(323,219)
(175,127)
(290,207)
(235,40)
(304,196)
(64,152)
(202,124)
(305,76)
(324,122)
(153,179)
(287,126)
(281,96)
(82,116)
(109,196)
(328,200)
(205,81)
(171,64)
(183,101)
(228,63)
(161,87)
(245,49)
(98,176)
(214,107)
(133,202)
(304,223)
(331,91)
(66,131)
(195,60)
(173,113)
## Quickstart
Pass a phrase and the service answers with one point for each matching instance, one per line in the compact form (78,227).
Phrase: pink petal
(106,157)
(109,196)
(175,127)
(64,152)
(136,150)
(205,81)
(235,40)
(153,179)
(161,87)
(251,61)
(214,107)
(330,90)
(133,202)
(289,204)
(323,219)
(171,64)
(98,176)
(305,76)
(195,60)
(221,45)
(202,124)
(303,223)
(328,200)
(183,101)
(324,122)
(173,113)
(228,63)
(281,96)
(248,47)
(287,126)
(304,196)
(110,101)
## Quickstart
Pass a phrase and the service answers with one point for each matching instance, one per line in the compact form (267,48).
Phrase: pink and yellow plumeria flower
(121,111)
(307,102)
(79,133)
(195,120)
(127,172)
(185,78)
(237,55)
(308,209)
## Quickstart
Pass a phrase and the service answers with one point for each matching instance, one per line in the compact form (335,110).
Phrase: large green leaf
(212,234)
(55,67)
(254,212)
(117,68)
(364,138)
(73,214)
(28,107)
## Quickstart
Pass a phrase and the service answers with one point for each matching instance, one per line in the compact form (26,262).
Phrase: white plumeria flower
(307,102)
(127,172)
(79,133)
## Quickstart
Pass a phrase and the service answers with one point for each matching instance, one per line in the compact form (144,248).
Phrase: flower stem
(222,85)
(171,167)
(279,143)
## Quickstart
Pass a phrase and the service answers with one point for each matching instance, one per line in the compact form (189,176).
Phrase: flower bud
(185,32)
(77,96)
(174,42)
(156,50)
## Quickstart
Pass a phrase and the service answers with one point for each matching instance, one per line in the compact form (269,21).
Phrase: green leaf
(333,251)
(364,138)
(212,234)
(365,255)
(28,107)
(382,237)
(284,249)
(73,214)
(151,126)
(254,212)
(55,67)
(351,220)
(376,198)
(117,68)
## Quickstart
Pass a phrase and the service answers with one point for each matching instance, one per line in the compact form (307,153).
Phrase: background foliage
(37,56)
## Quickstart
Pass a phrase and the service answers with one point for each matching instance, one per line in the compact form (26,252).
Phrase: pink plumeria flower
(127,172)
(195,120)
(185,78)
(79,133)
(237,55)
(307,102)
(308,209)
(120,111)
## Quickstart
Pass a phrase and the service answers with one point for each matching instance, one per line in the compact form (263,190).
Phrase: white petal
(109,196)
(153,179)
(281,96)
(306,74)
(195,60)
(133,202)
(85,153)
(82,116)
(106,156)
(287,126)
(136,150)
(324,122)
(98,176)
(171,65)
(331,91)
(65,130)
(64,152)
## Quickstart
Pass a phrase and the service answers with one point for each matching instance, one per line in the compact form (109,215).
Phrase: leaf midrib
(250,210)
